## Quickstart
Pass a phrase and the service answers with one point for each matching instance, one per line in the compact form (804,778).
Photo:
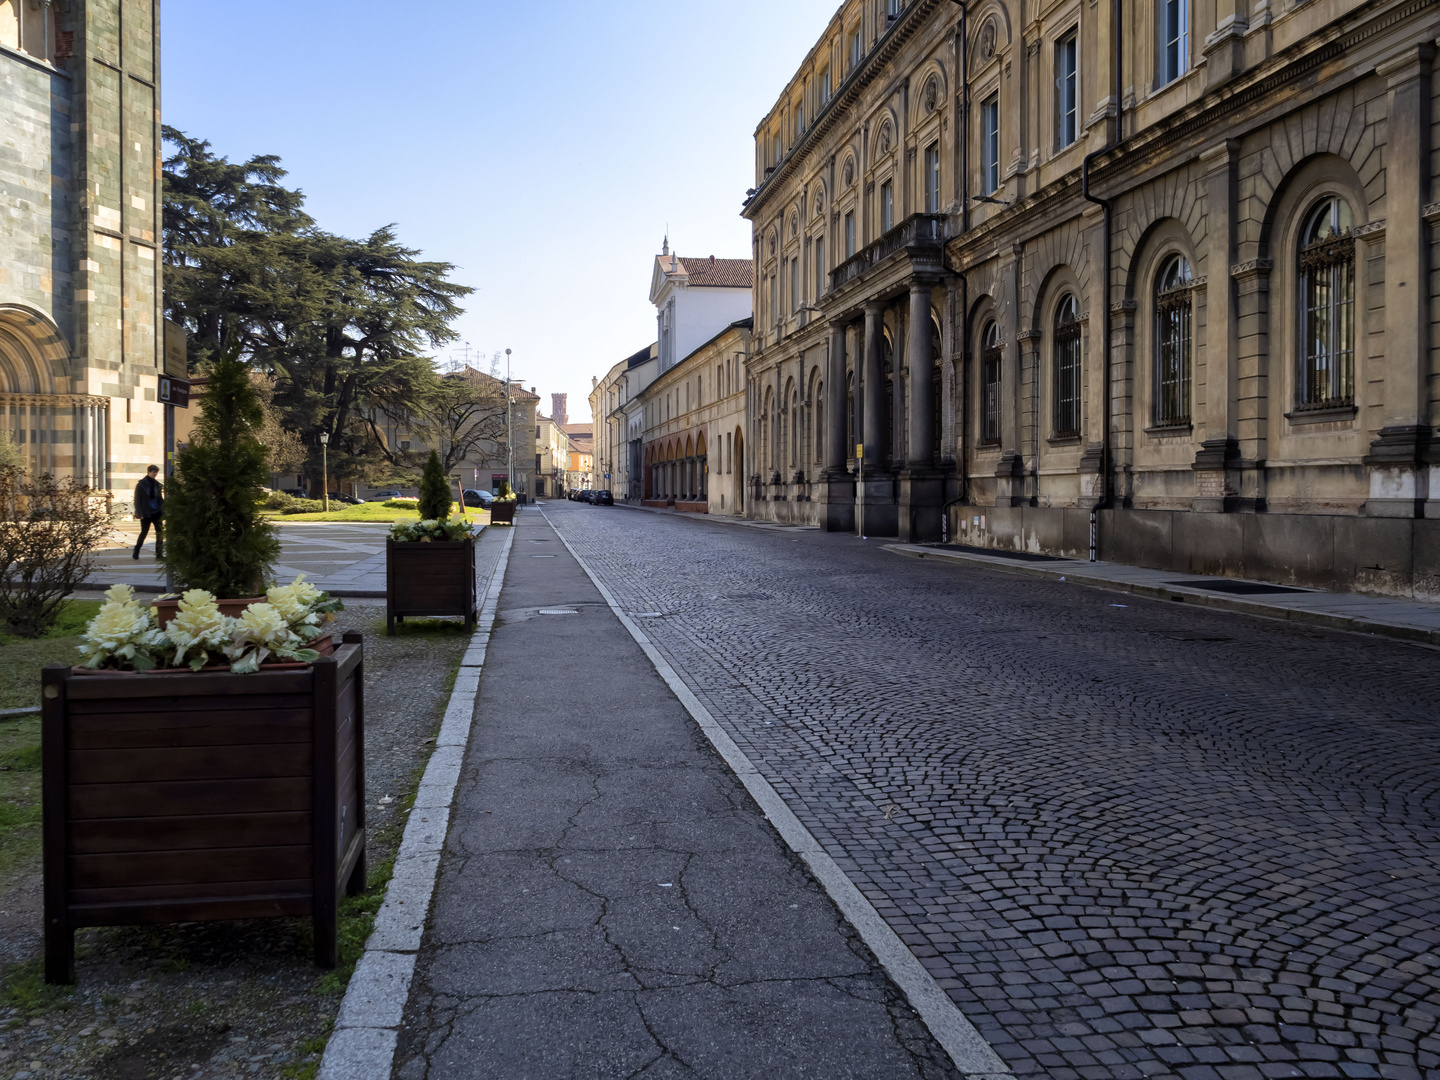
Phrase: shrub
(305,506)
(434,491)
(430,529)
(49,530)
(216,539)
(278,500)
(402,504)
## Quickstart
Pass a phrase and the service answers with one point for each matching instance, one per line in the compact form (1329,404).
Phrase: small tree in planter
(502,510)
(434,491)
(430,563)
(216,537)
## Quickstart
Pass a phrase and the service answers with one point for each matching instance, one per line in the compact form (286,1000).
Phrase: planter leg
(59,954)
(356,885)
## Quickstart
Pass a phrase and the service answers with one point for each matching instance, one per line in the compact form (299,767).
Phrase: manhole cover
(558,611)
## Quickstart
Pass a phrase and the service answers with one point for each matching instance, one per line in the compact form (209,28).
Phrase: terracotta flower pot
(165,610)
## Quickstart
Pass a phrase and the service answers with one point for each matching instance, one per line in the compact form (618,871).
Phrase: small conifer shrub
(216,538)
(434,491)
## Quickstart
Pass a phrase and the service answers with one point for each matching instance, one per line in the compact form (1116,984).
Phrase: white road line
(368,1027)
(968,1049)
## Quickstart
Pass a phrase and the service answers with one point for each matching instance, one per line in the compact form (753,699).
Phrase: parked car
(604,498)
(295,493)
(476,499)
(385,496)
(348,500)
(588,495)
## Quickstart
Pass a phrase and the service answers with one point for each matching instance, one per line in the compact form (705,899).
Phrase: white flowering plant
(431,530)
(123,634)
(260,633)
(305,609)
(197,631)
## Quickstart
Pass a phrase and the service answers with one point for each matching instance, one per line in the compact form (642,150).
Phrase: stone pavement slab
(1129,837)
(611,902)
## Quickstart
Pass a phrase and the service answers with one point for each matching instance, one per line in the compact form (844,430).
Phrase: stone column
(873,388)
(1010,472)
(834,434)
(1217,460)
(919,452)
(1399,474)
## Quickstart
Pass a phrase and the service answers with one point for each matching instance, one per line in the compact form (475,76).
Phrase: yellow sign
(859,450)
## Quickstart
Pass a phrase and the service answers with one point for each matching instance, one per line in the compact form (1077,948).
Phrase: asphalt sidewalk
(611,901)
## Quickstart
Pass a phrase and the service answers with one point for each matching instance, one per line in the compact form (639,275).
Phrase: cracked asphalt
(1129,838)
(611,903)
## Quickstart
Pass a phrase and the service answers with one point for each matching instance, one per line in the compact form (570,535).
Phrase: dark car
(604,498)
(476,499)
(348,500)
(588,495)
(385,496)
(296,493)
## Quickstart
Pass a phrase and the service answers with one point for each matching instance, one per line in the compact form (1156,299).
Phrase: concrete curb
(972,1055)
(1074,572)
(367,1028)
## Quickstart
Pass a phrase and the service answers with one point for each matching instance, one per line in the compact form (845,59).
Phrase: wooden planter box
(434,580)
(503,513)
(188,798)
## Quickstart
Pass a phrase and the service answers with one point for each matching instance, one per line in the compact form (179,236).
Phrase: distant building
(81,344)
(582,456)
(552,456)
(617,408)
(694,299)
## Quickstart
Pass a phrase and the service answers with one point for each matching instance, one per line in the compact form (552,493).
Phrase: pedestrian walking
(150,509)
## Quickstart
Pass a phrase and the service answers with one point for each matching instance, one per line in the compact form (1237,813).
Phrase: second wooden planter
(503,513)
(430,580)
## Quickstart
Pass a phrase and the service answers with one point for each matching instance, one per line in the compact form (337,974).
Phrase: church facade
(1148,278)
(81,330)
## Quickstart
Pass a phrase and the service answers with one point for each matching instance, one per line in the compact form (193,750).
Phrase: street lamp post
(325,468)
(509,427)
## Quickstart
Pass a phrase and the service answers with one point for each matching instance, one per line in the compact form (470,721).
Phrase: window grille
(1174,319)
(992,356)
(1327,308)
(1066,419)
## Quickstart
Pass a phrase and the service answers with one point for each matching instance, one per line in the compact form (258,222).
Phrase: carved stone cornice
(55,401)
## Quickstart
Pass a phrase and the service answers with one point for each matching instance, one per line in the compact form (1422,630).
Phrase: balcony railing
(922,235)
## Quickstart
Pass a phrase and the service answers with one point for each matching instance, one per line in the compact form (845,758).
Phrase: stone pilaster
(1217,480)
(1398,458)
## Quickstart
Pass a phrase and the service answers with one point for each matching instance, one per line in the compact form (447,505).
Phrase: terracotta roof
(713,273)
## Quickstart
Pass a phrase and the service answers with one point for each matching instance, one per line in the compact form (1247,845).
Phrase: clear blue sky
(540,147)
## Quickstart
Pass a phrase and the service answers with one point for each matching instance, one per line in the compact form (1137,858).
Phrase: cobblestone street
(1129,838)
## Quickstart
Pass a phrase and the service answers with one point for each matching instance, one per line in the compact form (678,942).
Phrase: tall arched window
(1066,415)
(795,437)
(1327,307)
(936,393)
(849,413)
(1174,319)
(992,353)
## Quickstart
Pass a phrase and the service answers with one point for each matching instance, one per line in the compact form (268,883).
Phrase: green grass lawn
(21,659)
(20,663)
(377,513)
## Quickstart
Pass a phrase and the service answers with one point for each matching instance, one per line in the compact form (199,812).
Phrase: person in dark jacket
(150,509)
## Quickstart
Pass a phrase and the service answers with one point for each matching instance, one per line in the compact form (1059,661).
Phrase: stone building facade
(695,428)
(1152,278)
(81,344)
(617,408)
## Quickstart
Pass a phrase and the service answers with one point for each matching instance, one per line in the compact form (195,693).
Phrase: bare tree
(462,417)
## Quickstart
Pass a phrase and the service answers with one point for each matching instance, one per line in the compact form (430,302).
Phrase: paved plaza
(345,559)
(1128,837)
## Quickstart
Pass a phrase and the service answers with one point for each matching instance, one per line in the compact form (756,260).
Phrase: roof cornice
(846,94)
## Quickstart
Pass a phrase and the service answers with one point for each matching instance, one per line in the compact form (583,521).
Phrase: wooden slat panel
(102,706)
(254,905)
(208,729)
(190,763)
(173,834)
(188,867)
(219,685)
(150,894)
(186,798)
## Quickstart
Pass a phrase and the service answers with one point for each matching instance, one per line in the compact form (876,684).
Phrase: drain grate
(1237,588)
(1019,556)
(558,611)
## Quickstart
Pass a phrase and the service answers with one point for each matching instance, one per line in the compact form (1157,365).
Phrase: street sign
(860,450)
(174,392)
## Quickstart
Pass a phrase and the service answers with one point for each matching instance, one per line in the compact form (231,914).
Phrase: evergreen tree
(215,535)
(434,491)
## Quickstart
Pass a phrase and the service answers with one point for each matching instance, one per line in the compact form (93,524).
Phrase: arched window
(1327,307)
(936,393)
(819,426)
(991,355)
(849,413)
(1174,319)
(795,448)
(1067,369)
